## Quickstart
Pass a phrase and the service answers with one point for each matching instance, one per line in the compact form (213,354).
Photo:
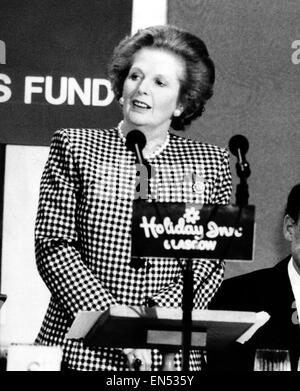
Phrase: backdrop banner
(53,66)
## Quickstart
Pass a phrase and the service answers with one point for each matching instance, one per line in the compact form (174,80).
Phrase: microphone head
(135,137)
(238,142)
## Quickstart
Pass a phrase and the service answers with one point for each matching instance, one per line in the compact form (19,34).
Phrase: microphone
(135,142)
(238,146)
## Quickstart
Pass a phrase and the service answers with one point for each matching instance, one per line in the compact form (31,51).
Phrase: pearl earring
(121,101)
(177,112)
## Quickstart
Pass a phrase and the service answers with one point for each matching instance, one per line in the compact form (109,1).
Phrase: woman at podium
(162,77)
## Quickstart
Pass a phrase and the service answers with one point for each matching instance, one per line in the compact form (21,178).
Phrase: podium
(159,327)
(185,231)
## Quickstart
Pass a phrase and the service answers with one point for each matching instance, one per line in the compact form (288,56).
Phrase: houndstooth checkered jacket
(83,228)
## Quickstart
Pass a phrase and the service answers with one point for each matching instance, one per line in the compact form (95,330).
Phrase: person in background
(275,290)
(162,77)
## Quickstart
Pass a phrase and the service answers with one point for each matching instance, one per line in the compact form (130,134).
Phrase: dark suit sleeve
(59,260)
(235,294)
(246,292)
(227,297)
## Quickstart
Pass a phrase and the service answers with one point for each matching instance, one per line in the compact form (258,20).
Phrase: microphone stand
(242,193)
(187,308)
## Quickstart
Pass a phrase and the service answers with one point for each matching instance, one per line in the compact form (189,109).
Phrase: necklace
(152,155)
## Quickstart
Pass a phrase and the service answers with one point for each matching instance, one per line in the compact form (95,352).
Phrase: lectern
(191,231)
(160,327)
(183,232)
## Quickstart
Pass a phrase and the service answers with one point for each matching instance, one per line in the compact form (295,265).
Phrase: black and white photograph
(150,189)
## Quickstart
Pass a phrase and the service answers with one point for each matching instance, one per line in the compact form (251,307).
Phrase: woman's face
(151,89)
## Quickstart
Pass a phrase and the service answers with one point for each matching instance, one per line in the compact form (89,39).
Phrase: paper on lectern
(261,318)
(82,324)
(2,299)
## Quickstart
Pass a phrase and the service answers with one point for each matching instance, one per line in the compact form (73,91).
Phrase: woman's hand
(138,359)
